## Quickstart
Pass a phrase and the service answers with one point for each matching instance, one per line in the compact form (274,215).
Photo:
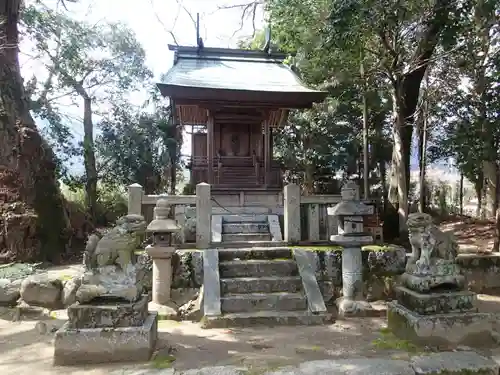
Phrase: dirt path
(183,345)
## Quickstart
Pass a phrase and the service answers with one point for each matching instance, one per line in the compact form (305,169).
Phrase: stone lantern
(351,237)
(161,252)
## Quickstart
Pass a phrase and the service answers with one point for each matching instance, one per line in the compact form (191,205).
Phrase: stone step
(246,252)
(244,218)
(266,318)
(248,245)
(243,237)
(268,284)
(258,267)
(245,228)
(233,303)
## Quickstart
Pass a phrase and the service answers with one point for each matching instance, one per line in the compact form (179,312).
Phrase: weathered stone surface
(433,252)
(264,302)
(146,264)
(70,287)
(211,290)
(454,363)
(111,282)
(258,267)
(193,309)
(481,271)
(217,370)
(266,318)
(427,283)
(111,266)
(41,290)
(391,261)
(269,284)
(354,366)
(167,311)
(435,303)
(187,269)
(311,289)
(9,291)
(471,328)
(108,314)
(101,345)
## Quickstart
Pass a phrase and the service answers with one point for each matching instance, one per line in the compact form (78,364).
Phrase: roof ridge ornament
(199,39)
(267,45)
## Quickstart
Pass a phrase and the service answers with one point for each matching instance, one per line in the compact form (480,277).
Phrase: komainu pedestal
(432,307)
(110,322)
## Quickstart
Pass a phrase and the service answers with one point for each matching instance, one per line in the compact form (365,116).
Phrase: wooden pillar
(267,152)
(210,148)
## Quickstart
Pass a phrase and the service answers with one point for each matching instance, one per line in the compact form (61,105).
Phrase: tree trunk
(496,243)
(89,158)
(461,194)
(383,182)
(366,169)
(40,227)
(422,160)
(478,187)
(401,154)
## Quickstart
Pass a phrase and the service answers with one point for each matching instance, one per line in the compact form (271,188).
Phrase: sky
(152,22)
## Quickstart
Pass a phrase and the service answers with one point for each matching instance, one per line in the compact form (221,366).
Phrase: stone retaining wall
(381,267)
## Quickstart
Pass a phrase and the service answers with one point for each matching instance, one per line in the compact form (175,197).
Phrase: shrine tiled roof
(234,70)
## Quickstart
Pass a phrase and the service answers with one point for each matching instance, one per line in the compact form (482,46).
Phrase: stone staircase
(245,228)
(258,285)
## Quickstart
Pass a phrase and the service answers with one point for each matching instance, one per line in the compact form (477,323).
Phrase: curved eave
(280,99)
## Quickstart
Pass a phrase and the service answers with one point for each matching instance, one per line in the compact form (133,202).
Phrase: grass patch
(162,361)
(390,342)
(65,277)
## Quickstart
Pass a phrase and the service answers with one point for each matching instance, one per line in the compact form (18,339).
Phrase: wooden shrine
(234,99)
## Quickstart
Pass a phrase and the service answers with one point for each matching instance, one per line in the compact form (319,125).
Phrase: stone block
(435,303)
(263,302)
(211,283)
(426,283)
(9,291)
(469,328)
(108,314)
(103,345)
(353,366)
(42,290)
(454,363)
(269,284)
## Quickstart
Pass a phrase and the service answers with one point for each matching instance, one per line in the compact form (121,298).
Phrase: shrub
(111,202)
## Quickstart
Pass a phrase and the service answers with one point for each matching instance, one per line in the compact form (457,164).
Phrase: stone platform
(436,303)
(108,313)
(456,328)
(102,345)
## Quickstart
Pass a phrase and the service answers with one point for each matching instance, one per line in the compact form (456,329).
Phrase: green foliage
(112,202)
(82,60)
(138,147)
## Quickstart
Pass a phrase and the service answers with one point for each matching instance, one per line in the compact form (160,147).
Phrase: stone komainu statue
(110,262)
(117,246)
(428,243)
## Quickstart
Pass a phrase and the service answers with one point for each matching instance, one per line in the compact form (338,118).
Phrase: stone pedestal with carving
(350,212)
(110,322)
(432,307)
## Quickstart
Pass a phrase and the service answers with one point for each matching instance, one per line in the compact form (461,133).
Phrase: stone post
(135,194)
(203,216)
(161,252)
(350,212)
(292,213)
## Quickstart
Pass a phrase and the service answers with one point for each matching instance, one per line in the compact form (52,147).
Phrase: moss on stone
(162,361)
(380,248)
